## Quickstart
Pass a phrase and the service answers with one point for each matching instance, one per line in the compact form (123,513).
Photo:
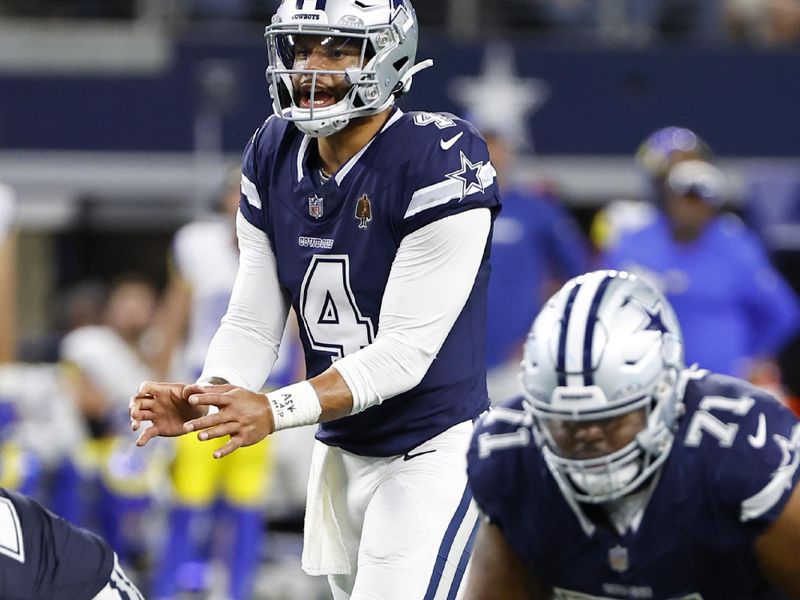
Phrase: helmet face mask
(599,374)
(380,45)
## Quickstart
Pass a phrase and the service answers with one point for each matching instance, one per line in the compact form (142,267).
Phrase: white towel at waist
(324,551)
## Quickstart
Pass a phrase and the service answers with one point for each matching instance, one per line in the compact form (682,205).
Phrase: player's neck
(335,150)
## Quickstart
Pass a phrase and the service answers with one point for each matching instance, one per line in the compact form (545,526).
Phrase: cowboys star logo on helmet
(381,37)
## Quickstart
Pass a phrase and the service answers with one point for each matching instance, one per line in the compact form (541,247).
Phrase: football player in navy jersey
(373,224)
(623,474)
(44,557)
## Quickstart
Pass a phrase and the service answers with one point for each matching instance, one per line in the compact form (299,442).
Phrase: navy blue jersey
(731,470)
(44,557)
(335,242)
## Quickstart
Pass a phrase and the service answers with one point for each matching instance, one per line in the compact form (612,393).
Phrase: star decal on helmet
(654,316)
(469,175)
(656,323)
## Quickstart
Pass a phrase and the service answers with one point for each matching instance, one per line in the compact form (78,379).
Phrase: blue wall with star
(598,102)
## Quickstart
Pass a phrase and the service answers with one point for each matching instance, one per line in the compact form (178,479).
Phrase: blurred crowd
(629,22)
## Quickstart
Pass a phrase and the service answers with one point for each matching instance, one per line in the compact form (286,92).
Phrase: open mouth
(322,97)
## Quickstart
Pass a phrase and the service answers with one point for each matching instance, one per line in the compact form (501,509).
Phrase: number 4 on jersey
(328,308)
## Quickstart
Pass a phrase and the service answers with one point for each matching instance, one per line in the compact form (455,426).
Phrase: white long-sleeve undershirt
(245,347)
(431,278)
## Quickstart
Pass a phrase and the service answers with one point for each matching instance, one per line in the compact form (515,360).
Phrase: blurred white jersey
(206,258)
(110,363)
(48,423)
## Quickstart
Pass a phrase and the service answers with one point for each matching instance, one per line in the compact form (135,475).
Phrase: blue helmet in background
(667,146)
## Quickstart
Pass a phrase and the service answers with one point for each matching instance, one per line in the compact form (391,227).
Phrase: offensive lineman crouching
(623,474)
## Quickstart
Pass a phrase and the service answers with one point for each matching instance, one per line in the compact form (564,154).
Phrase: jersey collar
(303,150)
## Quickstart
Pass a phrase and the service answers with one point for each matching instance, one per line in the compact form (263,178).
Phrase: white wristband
(294,406)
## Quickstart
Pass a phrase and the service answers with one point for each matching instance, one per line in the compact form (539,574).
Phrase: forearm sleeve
(431,278)
(245,347)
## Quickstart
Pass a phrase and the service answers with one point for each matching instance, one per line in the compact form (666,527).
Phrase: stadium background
(117,118)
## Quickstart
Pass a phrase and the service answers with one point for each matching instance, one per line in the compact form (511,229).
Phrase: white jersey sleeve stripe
(11,541)
(251,192)
(445,191)
(301,155)
(781,481)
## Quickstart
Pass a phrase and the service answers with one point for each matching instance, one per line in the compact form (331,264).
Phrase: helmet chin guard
(386,31)
(605,346)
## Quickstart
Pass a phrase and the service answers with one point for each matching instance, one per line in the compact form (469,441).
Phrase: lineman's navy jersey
(335,242)
(731,470)
(43,557)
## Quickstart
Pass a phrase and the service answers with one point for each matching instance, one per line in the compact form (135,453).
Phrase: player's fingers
(134,403)
(211,420)
(138,402)
(142,412)
(197,388)
(233,444)
(208,398)
(148,434)
(218,431)
(146,415)
(148,388)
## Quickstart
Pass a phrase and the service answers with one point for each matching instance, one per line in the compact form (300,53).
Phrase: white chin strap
(607,482)
(322,127)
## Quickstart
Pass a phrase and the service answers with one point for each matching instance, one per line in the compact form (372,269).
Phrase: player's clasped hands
(173,409)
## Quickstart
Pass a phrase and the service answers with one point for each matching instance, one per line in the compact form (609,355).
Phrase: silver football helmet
(384,31)
(605,352)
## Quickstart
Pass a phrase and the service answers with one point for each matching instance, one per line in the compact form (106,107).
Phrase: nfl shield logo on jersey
(618,559)
(315,206)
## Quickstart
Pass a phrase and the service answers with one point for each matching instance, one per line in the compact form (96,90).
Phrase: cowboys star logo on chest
(316,206)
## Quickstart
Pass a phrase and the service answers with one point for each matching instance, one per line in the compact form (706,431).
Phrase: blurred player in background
(655,156)
(44,557)
(40,431)
(623,474)
(536,246)
(374,225)
(203,269)
(735,308)
(101,359)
